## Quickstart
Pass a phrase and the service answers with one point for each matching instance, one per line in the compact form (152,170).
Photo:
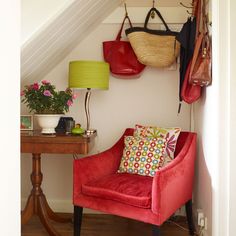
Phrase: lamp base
(90,131)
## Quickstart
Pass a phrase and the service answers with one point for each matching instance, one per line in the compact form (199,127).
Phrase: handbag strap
(160,16)
(195,7)
(198,15)
(118,37)
(204,17)
(196,51)
(205,29)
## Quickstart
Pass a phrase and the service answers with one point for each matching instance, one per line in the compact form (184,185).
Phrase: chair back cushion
(142,156)
(170,134)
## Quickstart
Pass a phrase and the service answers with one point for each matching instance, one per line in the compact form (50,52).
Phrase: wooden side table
(35,143)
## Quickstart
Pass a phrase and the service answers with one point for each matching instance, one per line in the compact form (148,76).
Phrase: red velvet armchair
(98,186)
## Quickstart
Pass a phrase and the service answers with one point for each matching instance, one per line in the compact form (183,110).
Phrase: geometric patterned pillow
(142,156)
(170,134)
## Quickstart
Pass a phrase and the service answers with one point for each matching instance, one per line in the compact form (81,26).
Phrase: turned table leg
(37,203)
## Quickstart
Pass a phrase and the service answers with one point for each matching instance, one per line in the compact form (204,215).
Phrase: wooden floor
(105,225)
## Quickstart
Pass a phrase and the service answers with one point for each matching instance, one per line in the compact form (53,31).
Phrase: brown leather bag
(200,71)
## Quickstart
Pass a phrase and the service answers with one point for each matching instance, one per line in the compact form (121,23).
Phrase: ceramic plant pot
(48,122)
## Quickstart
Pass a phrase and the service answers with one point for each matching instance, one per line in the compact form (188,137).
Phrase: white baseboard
(62,206)
(66,206)
(204,233)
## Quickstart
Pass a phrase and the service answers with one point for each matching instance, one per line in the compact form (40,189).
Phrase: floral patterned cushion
(170,134)
(142,156)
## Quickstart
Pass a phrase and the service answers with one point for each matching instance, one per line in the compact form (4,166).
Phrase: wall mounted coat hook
(153,13)
(188,7)
(126,12)
(190,13)
(185,5)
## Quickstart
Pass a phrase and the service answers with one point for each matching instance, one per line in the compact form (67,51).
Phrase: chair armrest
(172,185)
(96,166)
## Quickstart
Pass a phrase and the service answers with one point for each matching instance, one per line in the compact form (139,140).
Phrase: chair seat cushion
(127,188)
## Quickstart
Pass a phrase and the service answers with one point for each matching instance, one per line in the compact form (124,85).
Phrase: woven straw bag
(155,48)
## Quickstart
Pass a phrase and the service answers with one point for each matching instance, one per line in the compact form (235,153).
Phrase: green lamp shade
(89,74)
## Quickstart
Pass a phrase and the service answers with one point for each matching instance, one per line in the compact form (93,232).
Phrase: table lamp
(88,75)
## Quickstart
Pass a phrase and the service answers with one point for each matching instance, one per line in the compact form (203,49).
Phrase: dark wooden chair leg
(189,213)
(78,212)
(156,231)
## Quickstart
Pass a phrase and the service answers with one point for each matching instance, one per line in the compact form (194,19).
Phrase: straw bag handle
(160,16)
(118,37)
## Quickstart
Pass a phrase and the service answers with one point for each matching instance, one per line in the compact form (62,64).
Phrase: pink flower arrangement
(69,103)
(47,93)
(42,98)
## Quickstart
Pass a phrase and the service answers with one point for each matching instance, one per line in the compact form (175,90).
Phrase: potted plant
(47,104)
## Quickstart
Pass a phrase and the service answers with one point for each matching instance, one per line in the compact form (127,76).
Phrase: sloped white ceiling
(49,46)
(37,14)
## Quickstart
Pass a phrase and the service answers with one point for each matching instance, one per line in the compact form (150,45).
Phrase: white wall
(215,125)
(9,119)
(232,177)
(206,122)
(151,99)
